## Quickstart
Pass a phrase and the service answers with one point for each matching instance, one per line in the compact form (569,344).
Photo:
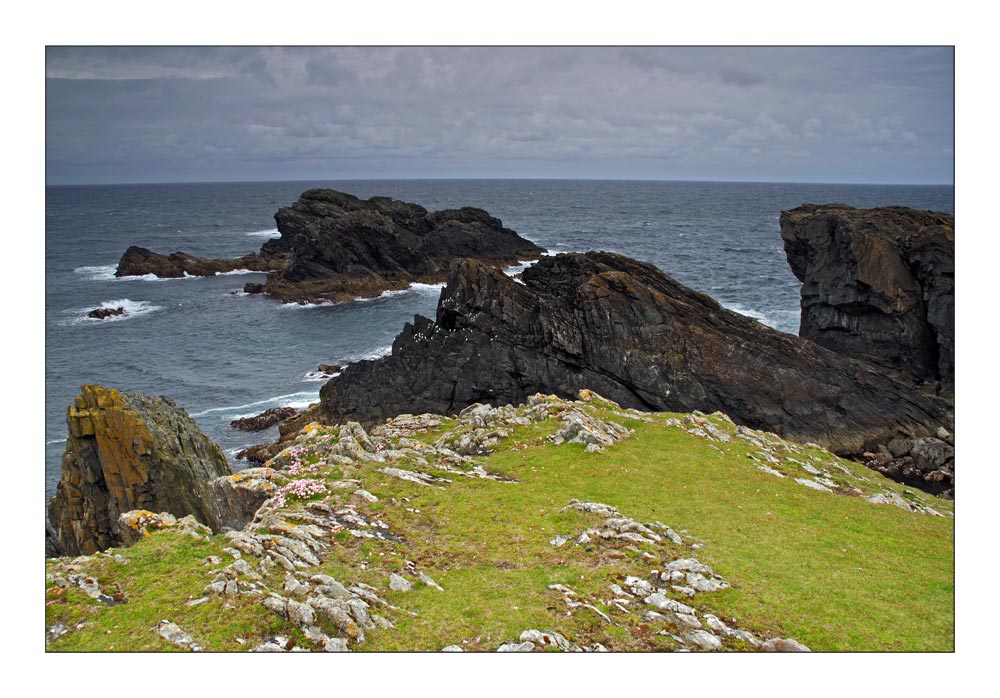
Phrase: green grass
(835,572)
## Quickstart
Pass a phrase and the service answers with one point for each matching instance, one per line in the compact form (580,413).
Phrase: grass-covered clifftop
(656,532)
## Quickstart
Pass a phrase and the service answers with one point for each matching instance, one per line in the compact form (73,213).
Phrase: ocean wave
(318,376)
(297,400)
(272,233)
(516,269)
(56,441)
(103,273)
(237,272)
(748,312)
(133,309)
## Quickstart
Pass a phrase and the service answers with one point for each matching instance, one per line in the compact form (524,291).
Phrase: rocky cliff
(344,247)
(877,284)
(633,334)
(125,452)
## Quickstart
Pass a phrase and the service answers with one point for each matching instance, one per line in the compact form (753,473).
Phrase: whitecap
(55,441)
(102,273)
(133,309)
(519,267)
(297,400)
(237,272)
(318,377)
(748,312)
(272,233)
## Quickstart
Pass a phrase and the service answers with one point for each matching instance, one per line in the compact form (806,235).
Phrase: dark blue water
(221,354)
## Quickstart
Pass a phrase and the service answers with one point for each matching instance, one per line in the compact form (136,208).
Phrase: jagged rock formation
(634,335)
(128,451)
(878,284)
(138,261)
(344,247)
(335,247)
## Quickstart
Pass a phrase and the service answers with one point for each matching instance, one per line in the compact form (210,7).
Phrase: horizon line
(498,179)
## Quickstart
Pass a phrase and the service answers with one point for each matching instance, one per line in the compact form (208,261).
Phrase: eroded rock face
(877,284)
(343,247)
(124,452)
(634,335)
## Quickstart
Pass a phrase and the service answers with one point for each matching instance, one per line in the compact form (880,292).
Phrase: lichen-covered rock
(129,451)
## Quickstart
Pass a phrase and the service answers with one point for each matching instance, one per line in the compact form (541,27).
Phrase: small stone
(173,634)
(516,647)
(558,541)
(336,644)
(429,582)
(452,648)
(398,583)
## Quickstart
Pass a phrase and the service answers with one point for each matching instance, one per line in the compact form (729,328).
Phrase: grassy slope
(834,572)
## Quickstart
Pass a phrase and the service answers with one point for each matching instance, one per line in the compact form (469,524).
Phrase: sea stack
(628,331)
(878,284)
(128,451)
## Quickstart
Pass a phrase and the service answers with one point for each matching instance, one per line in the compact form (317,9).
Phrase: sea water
(222,354)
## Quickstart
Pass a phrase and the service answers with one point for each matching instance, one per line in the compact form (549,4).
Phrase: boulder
(634,335)
(104,313)
(128,451)
(877,284)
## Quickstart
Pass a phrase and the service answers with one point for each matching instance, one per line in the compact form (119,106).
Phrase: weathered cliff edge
(877,284)
(633,334)
(335,247)
(129,451)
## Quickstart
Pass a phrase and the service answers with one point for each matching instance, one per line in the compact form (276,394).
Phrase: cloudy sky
(160,114)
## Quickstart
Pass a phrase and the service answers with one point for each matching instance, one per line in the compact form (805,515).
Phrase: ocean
(221,354)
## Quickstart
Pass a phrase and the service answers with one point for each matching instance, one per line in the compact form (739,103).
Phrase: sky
(785,114)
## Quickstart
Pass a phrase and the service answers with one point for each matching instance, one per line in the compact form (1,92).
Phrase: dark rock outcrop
(629,332)
(878,284)
(334,247)
(104,313)
(124,452)
(138,261)
(344,247)
(267,418)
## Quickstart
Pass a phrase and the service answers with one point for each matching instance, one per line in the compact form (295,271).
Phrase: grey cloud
(114,114)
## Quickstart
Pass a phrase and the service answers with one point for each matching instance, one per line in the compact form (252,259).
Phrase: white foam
(318,377)
(296,400)
(78,316)
(272,233)
(519,267)
(55,441)
(300,306)
(237,272)
(105,273)
(748,312)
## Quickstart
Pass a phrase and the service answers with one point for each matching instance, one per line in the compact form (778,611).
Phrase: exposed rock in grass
(172,633)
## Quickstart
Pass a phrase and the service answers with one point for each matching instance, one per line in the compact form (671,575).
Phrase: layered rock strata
(634,335)
(126,452)
(877,284)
